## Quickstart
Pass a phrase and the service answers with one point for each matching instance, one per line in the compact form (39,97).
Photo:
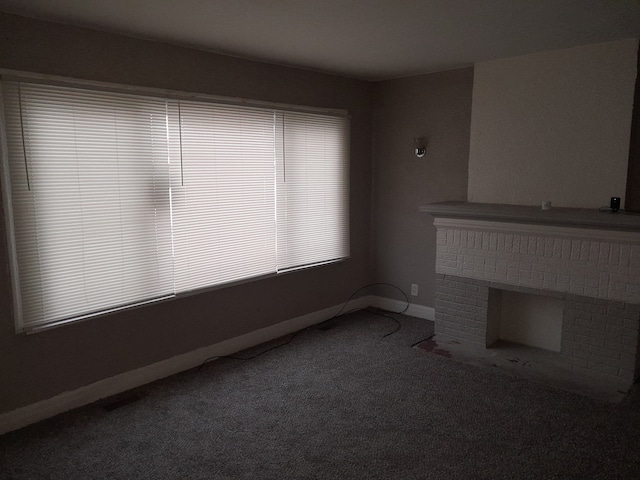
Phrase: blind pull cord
(24,148)
(180,132)
(284,153)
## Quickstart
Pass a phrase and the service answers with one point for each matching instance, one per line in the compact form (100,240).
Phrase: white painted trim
(19,75)
(602,235)
(8,216)
(107,387)
(420,311)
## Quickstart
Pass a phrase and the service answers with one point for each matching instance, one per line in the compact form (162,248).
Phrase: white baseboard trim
(420,311)
(93,392)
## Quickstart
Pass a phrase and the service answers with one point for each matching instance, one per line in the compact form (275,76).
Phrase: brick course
(598,281)
(585,267)
(600,336)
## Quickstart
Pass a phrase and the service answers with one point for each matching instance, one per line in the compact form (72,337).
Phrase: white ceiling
(367,39)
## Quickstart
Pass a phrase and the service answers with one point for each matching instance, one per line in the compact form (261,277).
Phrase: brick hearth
(591,267)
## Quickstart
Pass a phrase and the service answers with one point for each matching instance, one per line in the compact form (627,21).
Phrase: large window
(118,199)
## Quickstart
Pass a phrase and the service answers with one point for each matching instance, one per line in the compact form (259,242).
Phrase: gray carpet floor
(344,402)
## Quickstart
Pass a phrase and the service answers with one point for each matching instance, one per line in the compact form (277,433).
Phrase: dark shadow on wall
(632,202)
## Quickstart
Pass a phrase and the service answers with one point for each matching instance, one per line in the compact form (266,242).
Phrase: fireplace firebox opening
(527,319)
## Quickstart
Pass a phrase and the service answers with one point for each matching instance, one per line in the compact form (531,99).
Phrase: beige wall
(553,126)
(36,367)
(437,106)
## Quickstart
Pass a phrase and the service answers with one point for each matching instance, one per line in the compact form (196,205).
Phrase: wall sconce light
(420,146)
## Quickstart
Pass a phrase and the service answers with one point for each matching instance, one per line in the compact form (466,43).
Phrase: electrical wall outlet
(414,290)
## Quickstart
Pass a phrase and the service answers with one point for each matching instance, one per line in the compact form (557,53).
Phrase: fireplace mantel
(568,217)
(577,251)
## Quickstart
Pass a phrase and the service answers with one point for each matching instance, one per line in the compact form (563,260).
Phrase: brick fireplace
(585,264)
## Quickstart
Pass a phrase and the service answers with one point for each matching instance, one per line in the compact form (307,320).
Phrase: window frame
(11,75)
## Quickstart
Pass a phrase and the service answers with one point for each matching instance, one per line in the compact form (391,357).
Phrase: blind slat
(224,210)
(92,227)
(120,199)
(313,189)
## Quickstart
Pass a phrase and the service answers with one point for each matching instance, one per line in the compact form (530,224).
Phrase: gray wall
(437,106)
(39,366)
(390,240)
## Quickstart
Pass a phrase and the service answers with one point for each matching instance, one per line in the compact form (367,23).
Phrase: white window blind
(224,200)
(90,196)
(313,189)
(121,199)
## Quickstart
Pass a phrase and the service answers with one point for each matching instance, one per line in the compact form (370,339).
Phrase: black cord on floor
(377,312)
(274,347)
(295,334)
(423,340)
